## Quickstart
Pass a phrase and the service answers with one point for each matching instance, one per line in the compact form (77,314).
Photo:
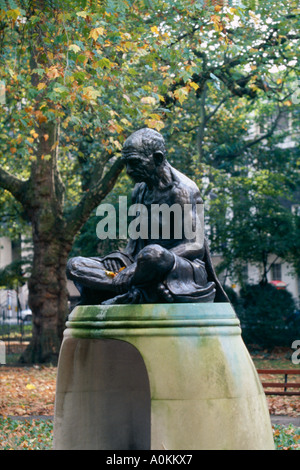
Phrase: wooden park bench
(281,388)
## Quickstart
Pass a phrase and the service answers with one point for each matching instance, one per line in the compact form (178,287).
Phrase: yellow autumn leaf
(154,30)
(34,134)
(54,145)
(117,144)
(30,387)
(13,13)
(90,93)
(126,122)
(155,116)
(154,124)
(95,33)
(83,14)
(41,85)
(194,85)
(181,94)
(148,100)
(52,73)
(114,126)
(110,273)
(74,48)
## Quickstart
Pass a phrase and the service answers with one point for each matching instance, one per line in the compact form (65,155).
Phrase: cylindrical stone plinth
(159,377)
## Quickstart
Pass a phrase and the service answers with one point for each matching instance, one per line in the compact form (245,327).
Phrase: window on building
(276,272)
(283,123)
(296,209)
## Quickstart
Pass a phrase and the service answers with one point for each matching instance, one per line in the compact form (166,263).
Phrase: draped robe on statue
(189,280)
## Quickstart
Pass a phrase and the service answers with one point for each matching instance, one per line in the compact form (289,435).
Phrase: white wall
(5,251)
(254,276)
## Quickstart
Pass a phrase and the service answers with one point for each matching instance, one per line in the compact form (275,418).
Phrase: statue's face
(139,167)
(142,155)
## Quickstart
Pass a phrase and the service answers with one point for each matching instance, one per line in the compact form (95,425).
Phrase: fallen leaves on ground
(29,434)
(286,438)
(27,391)
(278,358)
(30,391)
(285,406)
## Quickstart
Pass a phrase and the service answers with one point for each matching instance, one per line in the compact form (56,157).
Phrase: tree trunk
(48,300)
(48,296)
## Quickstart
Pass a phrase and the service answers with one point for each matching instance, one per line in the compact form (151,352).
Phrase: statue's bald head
(144,156)
(145,142)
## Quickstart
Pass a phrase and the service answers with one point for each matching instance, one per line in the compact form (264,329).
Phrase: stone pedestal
(159,377)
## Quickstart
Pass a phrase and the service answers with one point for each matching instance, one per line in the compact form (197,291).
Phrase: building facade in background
(12,301)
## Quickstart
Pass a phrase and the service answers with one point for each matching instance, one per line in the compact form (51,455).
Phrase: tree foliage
(77,77)
(253,220)
(266,316)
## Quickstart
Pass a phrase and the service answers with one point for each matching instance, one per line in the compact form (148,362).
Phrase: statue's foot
(131,297)
(118,299)
(165,293)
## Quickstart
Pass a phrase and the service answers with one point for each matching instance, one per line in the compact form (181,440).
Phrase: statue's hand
(122,279)
(112,264)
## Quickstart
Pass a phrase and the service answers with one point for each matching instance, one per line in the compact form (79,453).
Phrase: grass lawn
(37,434)
(279,358)
(26,434)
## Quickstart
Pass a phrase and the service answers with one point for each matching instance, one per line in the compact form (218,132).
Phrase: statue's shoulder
(184,185)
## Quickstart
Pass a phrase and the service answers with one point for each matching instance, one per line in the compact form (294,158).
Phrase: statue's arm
(192,244)
(189,250)
(136,197)
(123,279)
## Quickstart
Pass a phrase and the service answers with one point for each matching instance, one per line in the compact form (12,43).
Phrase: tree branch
(13,184)
(92,198)
(239,149)
(210,115)
(203,121)
(271,264)
(264,136)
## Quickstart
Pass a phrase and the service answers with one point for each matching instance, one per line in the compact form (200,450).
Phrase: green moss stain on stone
(205,392)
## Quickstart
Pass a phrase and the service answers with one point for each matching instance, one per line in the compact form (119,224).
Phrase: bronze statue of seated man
(152,269)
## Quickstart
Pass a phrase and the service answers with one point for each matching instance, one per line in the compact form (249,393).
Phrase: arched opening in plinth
(125,392)
(103,399)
